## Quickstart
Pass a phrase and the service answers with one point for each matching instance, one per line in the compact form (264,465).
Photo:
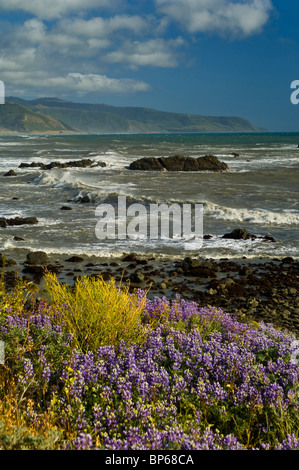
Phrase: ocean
(259,193)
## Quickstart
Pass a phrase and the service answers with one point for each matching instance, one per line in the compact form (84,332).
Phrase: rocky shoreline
(251,290)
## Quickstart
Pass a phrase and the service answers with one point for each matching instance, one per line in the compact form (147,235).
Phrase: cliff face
(55,115)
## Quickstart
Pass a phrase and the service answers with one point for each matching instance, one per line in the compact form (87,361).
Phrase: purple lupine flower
(83,442)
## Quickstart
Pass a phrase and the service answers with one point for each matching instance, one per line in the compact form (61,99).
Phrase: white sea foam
(258,216)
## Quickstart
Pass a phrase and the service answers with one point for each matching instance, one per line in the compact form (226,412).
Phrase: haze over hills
(46,115)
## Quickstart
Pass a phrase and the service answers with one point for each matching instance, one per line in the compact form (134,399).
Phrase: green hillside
(18,118)
(102,118)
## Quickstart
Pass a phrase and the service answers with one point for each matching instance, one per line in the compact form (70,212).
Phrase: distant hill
(18,118)
(56,115)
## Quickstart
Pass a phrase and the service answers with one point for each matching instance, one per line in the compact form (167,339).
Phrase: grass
(98,367)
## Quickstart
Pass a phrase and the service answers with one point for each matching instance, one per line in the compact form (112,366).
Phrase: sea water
(259,192)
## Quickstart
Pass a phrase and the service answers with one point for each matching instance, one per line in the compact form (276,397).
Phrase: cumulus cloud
(154,52)
(63,48)
(231,17)
(77,82)
(49,9)
(100,27)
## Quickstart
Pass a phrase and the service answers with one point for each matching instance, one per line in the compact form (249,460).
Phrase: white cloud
(71,83)
(100,27)
(231,17)
(49,9)
(154,52)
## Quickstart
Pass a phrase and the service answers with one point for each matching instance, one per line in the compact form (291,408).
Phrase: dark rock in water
(147,164)
(234,154)
(32,165)
(22,221)
(84,200)
(18,239)
(179,163)
(101,164)
(74,259)
(242,234)
(267,238)
(65,208)
(239,234)
(10,173)
(211,163)
(18,221)
(37,258)
(3,222)
(84,163)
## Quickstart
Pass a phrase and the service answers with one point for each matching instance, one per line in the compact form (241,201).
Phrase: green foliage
(12,301)
(24,438)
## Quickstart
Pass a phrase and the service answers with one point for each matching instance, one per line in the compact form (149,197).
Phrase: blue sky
(207,57)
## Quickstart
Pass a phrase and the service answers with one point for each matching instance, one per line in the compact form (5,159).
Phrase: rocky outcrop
(37,258)
(10,173)
(242,234)
(74,259)
(179,163)
(18,221)
(84,163)
(239,234)
(147,164)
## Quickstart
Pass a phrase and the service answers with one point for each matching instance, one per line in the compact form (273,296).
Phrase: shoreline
(249,289)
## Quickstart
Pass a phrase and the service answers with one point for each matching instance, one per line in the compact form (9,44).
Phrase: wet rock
(84,199)
(18,221)
(147,164)
(18,239)
(74,259)
(239,234)
(32,165)
(242,234)
(65,208)
(211,163)
(10,173)
(179,163)
(84,163)
(3,222)
(37,258)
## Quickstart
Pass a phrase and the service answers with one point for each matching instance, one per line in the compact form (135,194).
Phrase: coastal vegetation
(56,115)
(97,366)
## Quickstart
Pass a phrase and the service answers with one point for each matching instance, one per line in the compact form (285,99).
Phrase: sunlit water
(258,193)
